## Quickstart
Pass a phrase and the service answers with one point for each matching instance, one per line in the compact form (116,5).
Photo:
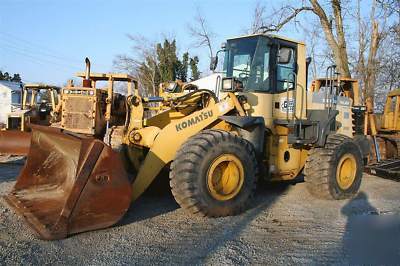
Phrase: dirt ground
(285,226)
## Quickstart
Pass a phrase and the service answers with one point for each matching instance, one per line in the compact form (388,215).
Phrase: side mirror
(284,55)
(213,63)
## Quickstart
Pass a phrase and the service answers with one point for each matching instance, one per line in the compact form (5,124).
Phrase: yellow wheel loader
(38,101)
(265,125)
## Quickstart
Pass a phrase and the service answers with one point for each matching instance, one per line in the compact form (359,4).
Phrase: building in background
(10,99)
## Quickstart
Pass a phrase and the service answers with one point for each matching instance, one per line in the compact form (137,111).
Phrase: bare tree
(258,18)
(331,16)
(142,64)
(370,37)
(334,34)
(201,32)
(280,18)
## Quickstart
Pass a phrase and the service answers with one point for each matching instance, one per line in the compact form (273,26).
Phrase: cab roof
(40,86)
(107,76)
(341,78)
(395,92)
(273,36)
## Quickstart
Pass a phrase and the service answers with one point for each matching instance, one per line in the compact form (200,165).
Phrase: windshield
(16,98)
(248,60)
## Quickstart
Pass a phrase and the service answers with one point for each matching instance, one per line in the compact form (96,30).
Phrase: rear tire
(214,174)
(335,171)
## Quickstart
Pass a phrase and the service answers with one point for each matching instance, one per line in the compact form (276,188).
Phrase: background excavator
(265,124)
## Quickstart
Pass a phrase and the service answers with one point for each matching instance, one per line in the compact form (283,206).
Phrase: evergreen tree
(183,66)
(168,61)
(16,78)
(194,68)
(157,63)
(6,76)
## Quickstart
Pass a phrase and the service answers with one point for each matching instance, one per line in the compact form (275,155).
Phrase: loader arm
(171,137)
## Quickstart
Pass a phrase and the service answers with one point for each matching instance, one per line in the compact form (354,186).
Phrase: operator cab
(270,74)
(261,63)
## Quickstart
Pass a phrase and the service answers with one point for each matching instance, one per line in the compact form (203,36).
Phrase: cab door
(284,81)
(286,162)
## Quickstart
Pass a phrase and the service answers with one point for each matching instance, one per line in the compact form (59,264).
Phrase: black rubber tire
(321,166)
(189,173)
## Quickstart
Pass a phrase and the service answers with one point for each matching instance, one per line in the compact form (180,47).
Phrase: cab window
(247,60)
(284,71)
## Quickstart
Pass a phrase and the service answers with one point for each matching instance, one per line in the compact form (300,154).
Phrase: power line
(18,40)
(27,48)
(40,60)
(39,49)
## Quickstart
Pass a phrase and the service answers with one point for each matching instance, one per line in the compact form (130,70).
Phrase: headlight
(91,92)
(227,84)
(231,85)
(66,91)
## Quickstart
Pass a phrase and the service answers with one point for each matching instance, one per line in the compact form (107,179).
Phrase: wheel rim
(346,171)
(225,177)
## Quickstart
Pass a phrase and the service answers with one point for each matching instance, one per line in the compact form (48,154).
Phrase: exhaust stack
(87,83)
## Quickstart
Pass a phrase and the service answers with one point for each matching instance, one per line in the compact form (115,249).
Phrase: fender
(251,128)
(170,139)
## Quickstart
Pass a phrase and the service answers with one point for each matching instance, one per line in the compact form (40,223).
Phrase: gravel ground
(285,226)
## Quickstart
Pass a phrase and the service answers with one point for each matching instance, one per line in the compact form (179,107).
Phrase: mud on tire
(323,164)
(190,173)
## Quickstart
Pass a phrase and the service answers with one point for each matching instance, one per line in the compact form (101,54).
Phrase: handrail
(294,75)
(217,86)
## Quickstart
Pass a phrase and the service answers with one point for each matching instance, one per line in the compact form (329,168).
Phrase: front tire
(214,174)
(335,171)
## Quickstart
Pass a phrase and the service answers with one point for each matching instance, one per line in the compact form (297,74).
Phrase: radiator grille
(78,113)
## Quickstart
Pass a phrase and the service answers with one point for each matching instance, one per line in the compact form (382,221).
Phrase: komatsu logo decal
(194,120)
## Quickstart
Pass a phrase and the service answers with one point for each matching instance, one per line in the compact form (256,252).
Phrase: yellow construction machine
(38,101)
(90,110)
(84,109)
(385,131)
(265,125)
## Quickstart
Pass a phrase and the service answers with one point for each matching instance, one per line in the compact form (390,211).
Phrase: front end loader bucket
(14,142)
(70,184)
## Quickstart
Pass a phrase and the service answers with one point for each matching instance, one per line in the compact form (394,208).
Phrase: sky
(47,41)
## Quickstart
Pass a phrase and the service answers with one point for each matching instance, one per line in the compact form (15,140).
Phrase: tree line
(154,63)
(361,37)
(6,76)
